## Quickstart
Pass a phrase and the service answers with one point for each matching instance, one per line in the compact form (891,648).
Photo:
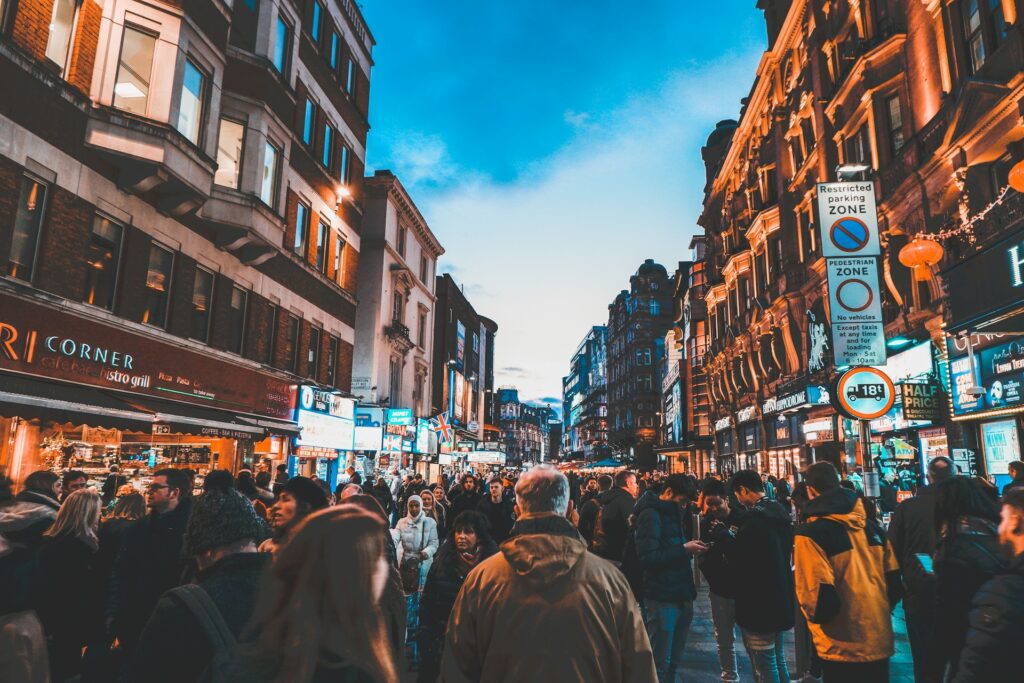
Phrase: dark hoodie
(847,579)
(996,629)
(544,609)
(668,576)
(612,523)
(759,558)
(24,519)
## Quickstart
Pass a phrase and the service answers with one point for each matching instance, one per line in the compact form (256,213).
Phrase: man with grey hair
(545,595)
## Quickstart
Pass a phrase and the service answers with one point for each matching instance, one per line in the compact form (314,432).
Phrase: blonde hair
(318,606)
(130,506)
(78,516)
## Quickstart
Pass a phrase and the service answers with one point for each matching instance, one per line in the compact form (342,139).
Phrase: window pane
(229,153)
(322,237)
(308,118)
(301,229)
(343,167)
(61,28)
(339,258)
(239,299)
(292,342)
(158,286)
(131,88)
(101,258)
(268,185)
(350,76)
(895,123)
(334,50)
(313,355)
(26,229)
(190,114)
(332,359)
(314,28)
(282,46)
(328,146)
(202,300)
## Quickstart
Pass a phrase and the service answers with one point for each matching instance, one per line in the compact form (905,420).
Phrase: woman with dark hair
(966,556)
(468,543)
(246,485)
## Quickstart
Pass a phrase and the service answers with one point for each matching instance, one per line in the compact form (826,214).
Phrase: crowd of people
(528,577)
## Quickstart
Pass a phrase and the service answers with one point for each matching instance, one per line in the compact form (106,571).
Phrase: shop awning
(184,418)
(274,425)
(26,397)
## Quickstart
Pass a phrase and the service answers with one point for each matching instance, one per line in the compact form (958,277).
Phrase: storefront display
(328,425)
(1000,443)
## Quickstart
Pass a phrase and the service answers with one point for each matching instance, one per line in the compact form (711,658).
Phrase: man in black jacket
(664,553)
(498,511)
(760,560)
(912,532)
(590,506)
(718,524)
(991,652)
(612,523)
(221,535)
(150,561)
(1016,471)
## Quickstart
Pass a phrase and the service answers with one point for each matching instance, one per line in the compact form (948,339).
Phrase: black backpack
(198,602)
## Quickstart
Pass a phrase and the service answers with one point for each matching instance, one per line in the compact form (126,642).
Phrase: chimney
(774,16)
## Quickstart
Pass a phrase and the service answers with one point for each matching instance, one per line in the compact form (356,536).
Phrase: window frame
(118,252)
(275,181)
(300,242)
(316,21)
(238,348)
(293,337)
(323,246)
(339,257)
(350,77)
(154,245)
(345,164)
(285,49)
(333,348)
(199,140)
(205,339)
(313,352)
(239,165)
(334,50)
(42,205)
(894,129)
(117,71)
(327,153)
(308,136)
(72,32)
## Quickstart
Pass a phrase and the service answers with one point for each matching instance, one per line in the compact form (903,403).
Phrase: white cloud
(424,159)
(544,256)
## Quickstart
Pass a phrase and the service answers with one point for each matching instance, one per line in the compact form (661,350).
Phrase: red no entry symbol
(854,295)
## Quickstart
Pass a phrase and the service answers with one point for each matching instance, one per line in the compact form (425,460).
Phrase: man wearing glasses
(150,561)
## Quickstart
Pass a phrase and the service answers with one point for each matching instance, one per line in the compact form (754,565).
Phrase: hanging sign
(863,393)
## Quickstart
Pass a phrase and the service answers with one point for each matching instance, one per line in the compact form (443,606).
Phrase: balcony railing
(398,334)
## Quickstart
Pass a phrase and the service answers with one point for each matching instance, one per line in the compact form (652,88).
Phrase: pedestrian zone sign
(848,219)
(853,295)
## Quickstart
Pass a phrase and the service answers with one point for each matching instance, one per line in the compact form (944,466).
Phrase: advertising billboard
(999,371)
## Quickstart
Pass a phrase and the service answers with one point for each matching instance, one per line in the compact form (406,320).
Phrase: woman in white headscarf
(417,536)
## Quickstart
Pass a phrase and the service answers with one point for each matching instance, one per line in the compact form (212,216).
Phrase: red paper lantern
(920,255)
(1017,176)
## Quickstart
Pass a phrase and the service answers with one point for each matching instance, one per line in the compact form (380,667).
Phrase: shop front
(725,449)
(326,445)
(79,393)
(784,417)
(985,354)
(822,437)
(748,434)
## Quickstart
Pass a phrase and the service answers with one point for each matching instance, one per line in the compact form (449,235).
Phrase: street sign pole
(871,486)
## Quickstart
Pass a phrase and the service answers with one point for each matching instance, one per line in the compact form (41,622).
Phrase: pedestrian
(498,510)
(353,476)
(280,478)
(382,492)
(62,587)
(466,497)
(591,505)
(543,594)
(434,511)
(759,557)
(344,491)
(664,552)
(991,651)
(912,534)
(1016,471)
(847,581)
(967,554)
(150,561)
(245,483)
(112,484)
(612,521)
(418,537)
(468,543)
(72,481)
(193,629)
(317,617)
(299,497)
(25,518)
(718,524)
(263,488)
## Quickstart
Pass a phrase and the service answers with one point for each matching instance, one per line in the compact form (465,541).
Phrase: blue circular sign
(849,234)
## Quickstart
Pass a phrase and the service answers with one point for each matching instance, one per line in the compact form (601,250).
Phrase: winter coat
(759,557)
(383,495)
(964,561)
(544,609)
(713,565)
(991,651)
(847,579)
(25,519)
(445,579)
(912,531)
(149,564)
(416,536)
(612,523)
(23,656)
(588,516)
(668,576)
(173,638)
(62,597)
(462,501)
(499,515)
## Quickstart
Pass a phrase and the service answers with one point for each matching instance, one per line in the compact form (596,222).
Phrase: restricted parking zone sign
(863,393)
(848,219)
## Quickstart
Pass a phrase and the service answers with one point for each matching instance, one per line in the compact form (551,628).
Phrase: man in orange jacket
(847,581)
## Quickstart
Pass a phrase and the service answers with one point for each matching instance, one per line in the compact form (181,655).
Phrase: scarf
(418,517)
(468,560)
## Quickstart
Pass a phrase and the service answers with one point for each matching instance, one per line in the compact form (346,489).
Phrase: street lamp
(848,171)
(342,193)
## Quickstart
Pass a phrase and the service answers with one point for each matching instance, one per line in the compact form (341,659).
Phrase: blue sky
(553,146)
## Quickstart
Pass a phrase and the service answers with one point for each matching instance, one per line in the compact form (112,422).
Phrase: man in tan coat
(545,609)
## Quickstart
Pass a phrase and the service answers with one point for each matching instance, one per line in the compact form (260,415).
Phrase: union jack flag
(443,427)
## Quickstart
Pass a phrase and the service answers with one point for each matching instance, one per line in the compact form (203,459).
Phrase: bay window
(134,71)
(271,173)
(300,245)
(192,103)
(230,144)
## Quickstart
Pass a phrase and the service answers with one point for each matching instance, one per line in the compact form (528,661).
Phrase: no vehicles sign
(848,219)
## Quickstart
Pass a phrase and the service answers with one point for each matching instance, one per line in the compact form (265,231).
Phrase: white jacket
(418,536)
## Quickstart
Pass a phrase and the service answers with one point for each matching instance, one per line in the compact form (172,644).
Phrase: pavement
(700,662)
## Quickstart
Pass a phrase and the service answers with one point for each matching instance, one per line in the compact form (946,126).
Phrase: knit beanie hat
(220,517)
(305,490)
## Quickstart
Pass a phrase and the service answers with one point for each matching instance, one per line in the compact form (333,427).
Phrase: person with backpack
(664,553)
(192,633)
(611,525)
